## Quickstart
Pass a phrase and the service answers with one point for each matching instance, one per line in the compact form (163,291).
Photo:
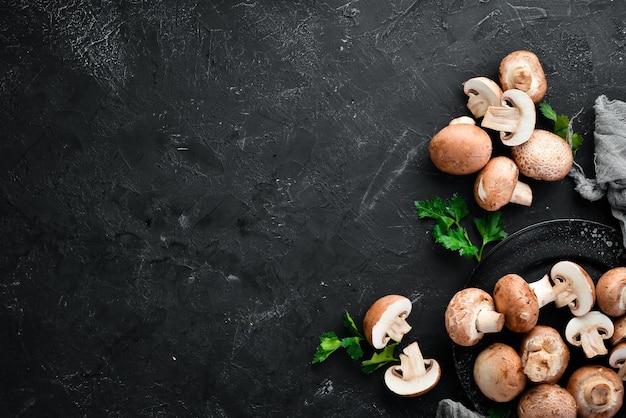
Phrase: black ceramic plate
(531,252)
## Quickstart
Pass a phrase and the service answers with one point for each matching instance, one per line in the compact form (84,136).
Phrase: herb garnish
(562,126)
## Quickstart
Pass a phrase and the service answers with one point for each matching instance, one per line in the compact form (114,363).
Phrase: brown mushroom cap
(619,330)
(522,70)
(546,401)
(544,355)
(598,391)
(470,314)
(514,298)
(498,373)
(611,292)
(386,320)
(545,156)
(460,148)
(497,184)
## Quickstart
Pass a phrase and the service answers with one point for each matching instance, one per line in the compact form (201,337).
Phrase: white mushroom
(482,92)
(415,375)
(470,314)
(515,118)
(386,320)
(498,373)
(589,332)
(568,284)
(544,355)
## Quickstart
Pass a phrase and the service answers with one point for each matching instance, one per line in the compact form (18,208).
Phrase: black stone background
(192,192)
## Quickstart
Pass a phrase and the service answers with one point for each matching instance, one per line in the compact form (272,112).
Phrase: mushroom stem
(522,194)
(412,362)
(598,394)
(501,118)
(543,290)
(593,343)
(398,328)
(488,321)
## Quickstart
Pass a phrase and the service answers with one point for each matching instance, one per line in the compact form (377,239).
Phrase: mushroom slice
(522,70)
(589,332)
(573,287)
(515,118)
(498,372)
(545,156)
(482,92)
(470,314)
(544,355)
(598,391)
(619,330)
(461,147)
(514,298)
(617,360)
(415,375)
(547,401)
(611,292)
(386,320)
(497,184)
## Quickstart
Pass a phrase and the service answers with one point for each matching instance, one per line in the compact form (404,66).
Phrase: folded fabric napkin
(448,408)
(609,161)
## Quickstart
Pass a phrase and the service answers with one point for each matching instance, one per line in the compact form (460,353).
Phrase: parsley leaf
(348,322)
(562,126)
(380,359)
(329,343)
(448,230)
(353,347)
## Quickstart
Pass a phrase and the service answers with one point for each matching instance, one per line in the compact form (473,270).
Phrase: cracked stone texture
(192,192)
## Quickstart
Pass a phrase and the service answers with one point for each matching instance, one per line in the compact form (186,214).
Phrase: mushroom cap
(544,354)
(617,357)
(545,156)
(522,70)
(462,313)
(460,148)
(498,372)
(482,92)
(610,292)
(514,298)
(580,291)
(546,401)
(598,391)
(411,378)
(619,330)
(381,316)
(496,184)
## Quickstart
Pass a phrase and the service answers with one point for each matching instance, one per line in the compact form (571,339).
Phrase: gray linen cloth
(609,161)
(448,408)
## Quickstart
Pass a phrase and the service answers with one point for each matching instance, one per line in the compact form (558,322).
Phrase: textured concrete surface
(193,191)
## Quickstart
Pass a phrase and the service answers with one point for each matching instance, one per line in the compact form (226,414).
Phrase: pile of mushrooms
(463,147)
(385,321)
(533,371)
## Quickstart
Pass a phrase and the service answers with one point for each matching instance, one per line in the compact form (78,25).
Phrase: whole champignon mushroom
(482,92)
(611,292)
(522,70)
(460,148)
(589,332)
(544,354)
(598,391)
(415,375)
(497,184)
(470,314)
(386,320)
(514,298)
(546,401)
(545,156)
(498,373)
(515,118)
(568,284)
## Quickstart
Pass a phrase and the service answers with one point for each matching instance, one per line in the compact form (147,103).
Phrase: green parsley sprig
(562,126)
(330,342)
(448,230)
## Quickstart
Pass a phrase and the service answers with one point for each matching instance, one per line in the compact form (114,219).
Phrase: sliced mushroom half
(617,360)
(386,320)
(515,117)
(482,92)
(415,375)
(589,332)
